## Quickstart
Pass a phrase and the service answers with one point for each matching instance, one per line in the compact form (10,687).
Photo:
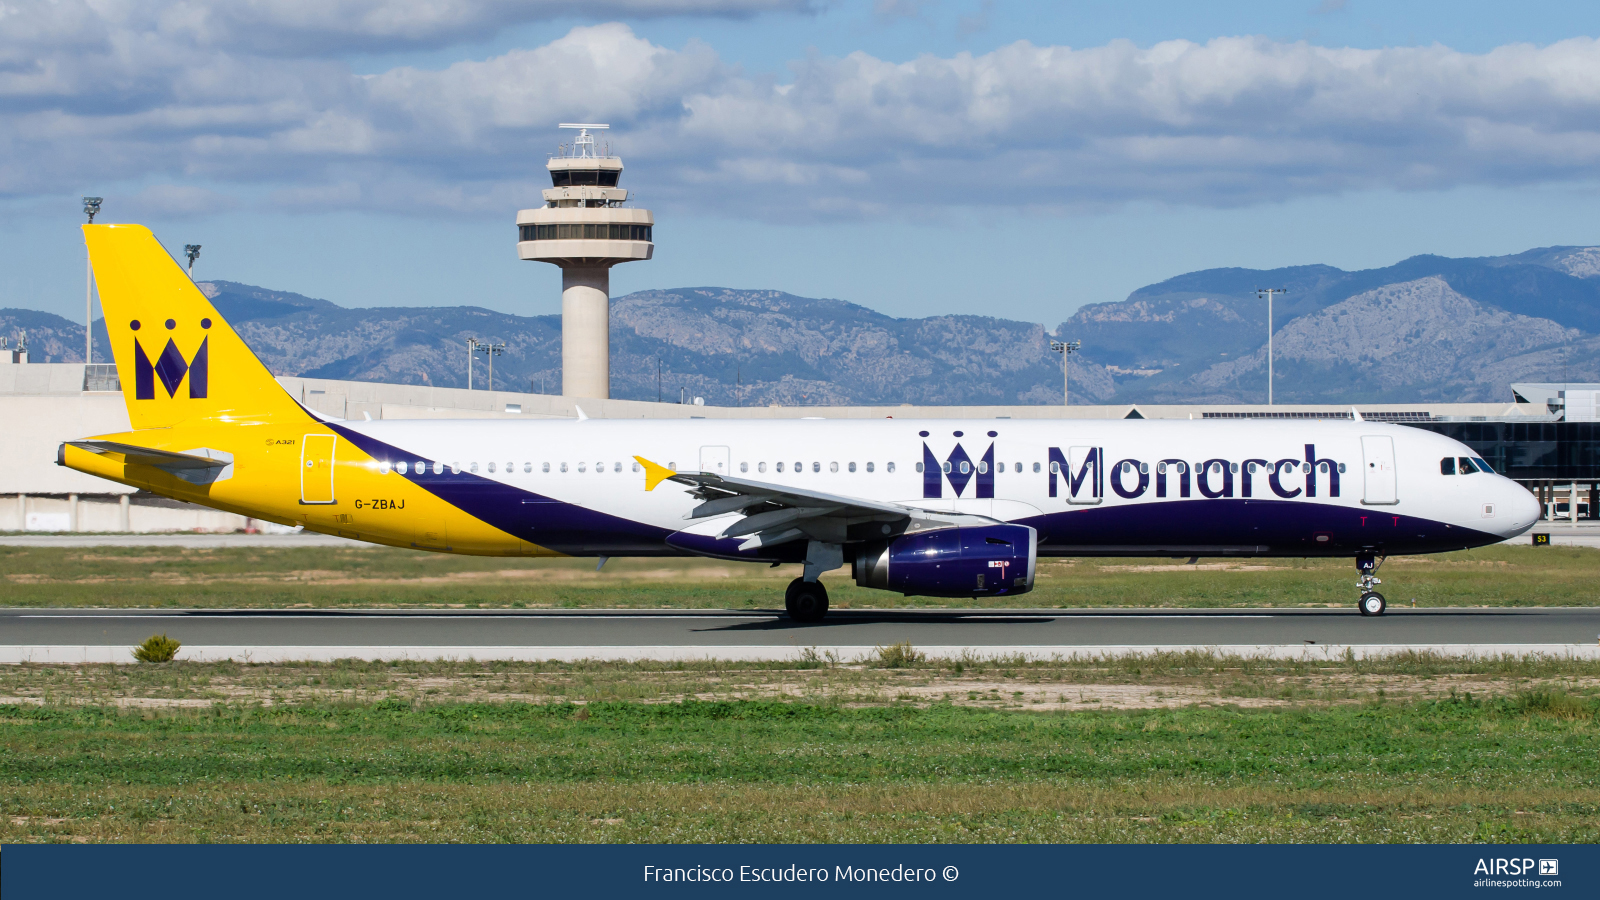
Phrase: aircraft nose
(1521,508)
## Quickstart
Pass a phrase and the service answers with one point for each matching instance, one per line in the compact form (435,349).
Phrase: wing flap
(774,513)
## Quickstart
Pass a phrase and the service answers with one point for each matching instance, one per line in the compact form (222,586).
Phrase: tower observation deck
(584,228)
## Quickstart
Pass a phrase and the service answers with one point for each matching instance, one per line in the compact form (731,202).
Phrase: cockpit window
(1447,466)
(1464,464)
(1483,466)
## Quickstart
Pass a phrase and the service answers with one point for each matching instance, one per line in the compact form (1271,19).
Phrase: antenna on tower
(582,147)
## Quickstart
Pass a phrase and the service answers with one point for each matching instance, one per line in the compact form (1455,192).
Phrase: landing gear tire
(1373,604)
(806,601)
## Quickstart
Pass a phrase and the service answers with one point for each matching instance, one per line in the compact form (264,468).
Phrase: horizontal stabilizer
(144,456)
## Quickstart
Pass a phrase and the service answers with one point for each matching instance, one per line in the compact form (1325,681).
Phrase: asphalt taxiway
(83,635)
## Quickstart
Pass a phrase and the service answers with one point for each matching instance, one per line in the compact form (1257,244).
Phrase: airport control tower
(584,228)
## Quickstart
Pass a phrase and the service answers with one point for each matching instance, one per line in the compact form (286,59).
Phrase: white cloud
(176,201)
(96,97)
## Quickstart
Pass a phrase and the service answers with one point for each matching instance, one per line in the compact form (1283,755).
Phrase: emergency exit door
(1377,468)
(316,468)
(715,460)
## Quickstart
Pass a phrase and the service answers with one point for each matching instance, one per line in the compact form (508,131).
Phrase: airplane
(953,508)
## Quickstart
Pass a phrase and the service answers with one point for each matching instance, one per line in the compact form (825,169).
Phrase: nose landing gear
(1372,602)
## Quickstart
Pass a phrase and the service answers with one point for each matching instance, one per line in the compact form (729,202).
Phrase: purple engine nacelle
(976,561)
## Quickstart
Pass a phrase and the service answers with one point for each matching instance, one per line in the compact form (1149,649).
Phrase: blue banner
(131,872)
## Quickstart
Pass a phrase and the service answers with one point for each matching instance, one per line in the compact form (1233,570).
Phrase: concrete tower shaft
(584,228)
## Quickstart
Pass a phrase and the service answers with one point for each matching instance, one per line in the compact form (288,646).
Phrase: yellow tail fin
(177,358)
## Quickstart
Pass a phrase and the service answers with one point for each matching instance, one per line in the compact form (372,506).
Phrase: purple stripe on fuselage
(1273,527)
(554,524)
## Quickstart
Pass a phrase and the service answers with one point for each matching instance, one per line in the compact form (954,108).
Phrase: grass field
(378,577)
(1165,748)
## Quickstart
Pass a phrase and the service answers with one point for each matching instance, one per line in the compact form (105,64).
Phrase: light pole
(1268,292)
(493,350)
(91,206)
(472,349)
(193,252)
(1066,349)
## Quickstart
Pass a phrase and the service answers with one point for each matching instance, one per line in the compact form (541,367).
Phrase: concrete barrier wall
(112,513)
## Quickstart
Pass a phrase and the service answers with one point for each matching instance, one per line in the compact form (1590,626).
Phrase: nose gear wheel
(1372,602)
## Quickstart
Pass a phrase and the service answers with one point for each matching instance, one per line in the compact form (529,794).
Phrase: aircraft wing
(776,514)
(145,456)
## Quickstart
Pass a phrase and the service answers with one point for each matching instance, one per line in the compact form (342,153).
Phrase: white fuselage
(1121,487)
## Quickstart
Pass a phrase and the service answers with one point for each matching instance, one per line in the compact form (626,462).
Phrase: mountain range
(1429,328)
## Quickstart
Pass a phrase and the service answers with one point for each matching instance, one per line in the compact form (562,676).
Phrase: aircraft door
(1379,482)
(715,460)
(316,468)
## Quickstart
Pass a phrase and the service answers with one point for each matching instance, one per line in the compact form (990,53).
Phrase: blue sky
(913,157)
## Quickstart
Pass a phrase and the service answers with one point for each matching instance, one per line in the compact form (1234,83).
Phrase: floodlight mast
(1268,292)
(193,252)
(91,206)
(1066,349)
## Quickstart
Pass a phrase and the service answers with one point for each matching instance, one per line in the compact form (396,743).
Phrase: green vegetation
(1176,747)
(157,648)
(380,576)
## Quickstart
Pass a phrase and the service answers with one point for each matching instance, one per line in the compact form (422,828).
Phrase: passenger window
(636,467)
(945,468)
(799,467)
(1035,468)
(438,468)
(919,467)
(832,467)
(744,467)
(491,468)
(889,467)
(527,468)
(1464,465)
(616,467)
(455,468)
(1341,468)
(510,467)
(780,467)
(473,468)
(563,467)
(983,468)
(817,467)
(869,467)
(583,467)
(546,468)
(402,467)
(383,467)
(852,467)
(1144,468)
(762,467)
(966,467)
(1055,468)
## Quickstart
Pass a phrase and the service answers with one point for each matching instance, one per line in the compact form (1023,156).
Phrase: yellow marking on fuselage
(654,473)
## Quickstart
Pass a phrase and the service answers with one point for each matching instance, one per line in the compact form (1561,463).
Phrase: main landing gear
(806,601)
(1372,602)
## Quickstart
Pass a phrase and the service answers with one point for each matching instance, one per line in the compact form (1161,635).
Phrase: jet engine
(965,561)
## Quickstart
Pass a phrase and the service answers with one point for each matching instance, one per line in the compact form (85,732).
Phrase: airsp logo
(1549,867)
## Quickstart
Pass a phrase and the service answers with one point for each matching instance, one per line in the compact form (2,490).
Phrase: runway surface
(76,635)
